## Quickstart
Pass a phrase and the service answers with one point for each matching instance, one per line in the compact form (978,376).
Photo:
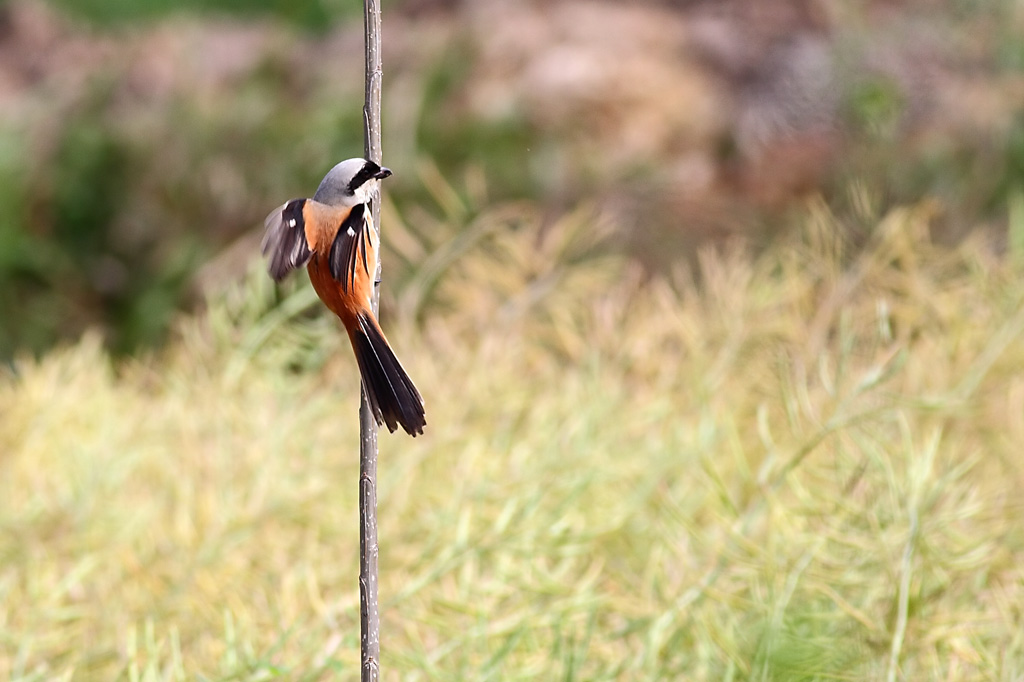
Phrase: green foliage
(314,15)
(70,261)
(89,170)
(1010,169)
(877,105)
(22,255)
(971,179)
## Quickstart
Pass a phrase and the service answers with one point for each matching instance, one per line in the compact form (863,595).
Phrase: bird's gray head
(350,183)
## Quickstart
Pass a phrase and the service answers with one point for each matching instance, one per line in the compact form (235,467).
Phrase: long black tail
(392,395)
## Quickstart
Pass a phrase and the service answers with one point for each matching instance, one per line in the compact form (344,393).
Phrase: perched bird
(332,235)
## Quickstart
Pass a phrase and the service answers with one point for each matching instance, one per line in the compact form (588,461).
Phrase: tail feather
(392,395)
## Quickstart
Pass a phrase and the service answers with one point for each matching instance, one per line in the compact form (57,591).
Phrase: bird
(332,236)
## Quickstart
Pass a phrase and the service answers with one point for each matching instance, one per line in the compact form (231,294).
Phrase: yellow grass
(807,468)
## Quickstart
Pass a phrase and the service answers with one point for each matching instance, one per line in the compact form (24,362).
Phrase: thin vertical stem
(369,613)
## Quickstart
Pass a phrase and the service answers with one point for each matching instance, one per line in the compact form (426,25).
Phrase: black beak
(383,173)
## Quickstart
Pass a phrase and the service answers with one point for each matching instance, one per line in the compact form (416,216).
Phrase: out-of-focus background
(717,307)
(141,143)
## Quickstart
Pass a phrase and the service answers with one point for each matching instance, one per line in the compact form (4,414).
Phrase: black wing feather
(349,242)
(285,239)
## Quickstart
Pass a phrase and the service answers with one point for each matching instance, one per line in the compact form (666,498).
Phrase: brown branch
(369,613)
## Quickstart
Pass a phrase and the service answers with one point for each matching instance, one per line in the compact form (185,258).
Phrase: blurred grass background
(734,309)
(139,141)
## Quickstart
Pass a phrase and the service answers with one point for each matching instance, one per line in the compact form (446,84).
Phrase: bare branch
(369,614)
